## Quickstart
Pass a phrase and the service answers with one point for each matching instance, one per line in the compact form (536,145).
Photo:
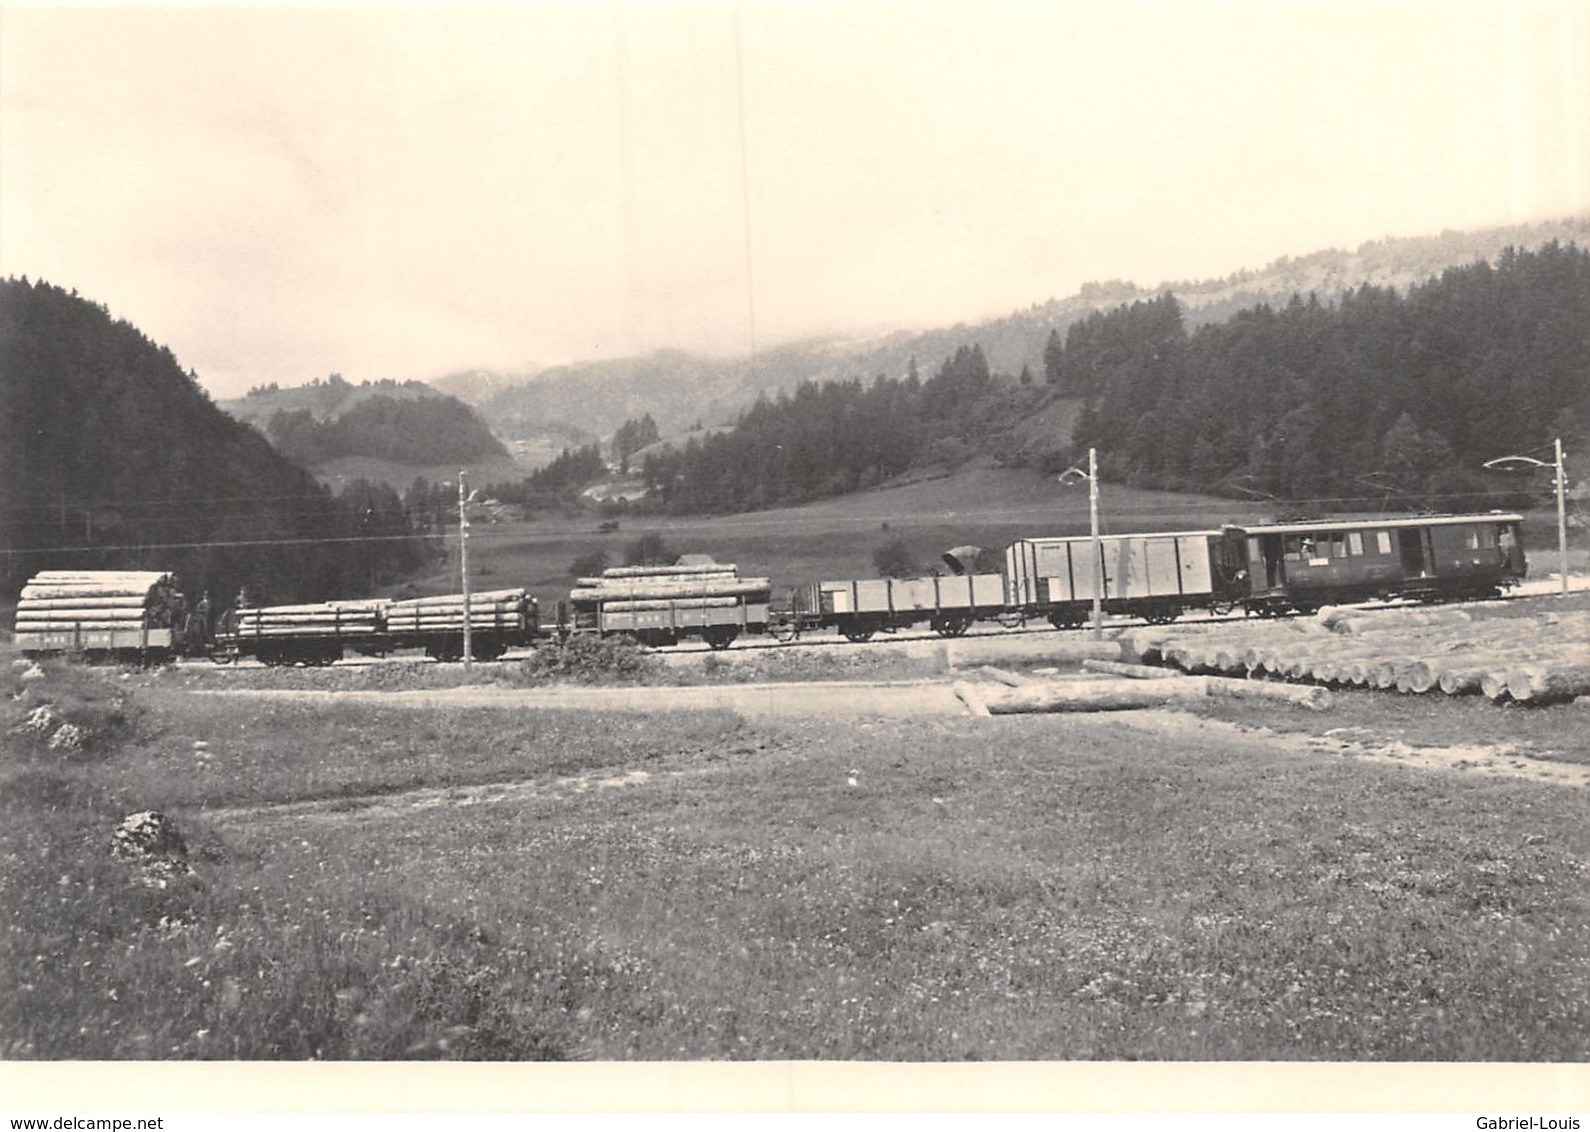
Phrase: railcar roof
(1122,534)
(1376,523)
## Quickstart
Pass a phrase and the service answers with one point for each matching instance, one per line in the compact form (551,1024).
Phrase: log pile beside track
(1537,660)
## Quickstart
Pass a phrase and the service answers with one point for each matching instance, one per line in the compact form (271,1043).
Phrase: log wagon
(129,615)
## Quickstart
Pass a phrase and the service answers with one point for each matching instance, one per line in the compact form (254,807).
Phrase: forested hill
(419,431)
(1380,398)
(112,456)
(1314,401)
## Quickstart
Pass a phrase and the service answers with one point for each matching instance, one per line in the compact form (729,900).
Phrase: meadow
(371,881)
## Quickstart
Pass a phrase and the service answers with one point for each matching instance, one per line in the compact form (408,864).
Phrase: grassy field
(692,886)
(989,507)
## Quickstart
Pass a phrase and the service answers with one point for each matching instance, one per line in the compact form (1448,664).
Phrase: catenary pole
(1098,546)
(463,562)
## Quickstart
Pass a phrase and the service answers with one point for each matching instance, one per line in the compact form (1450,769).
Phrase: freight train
(1266,570)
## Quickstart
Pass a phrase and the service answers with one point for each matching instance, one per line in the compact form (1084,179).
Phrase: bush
(650,550)
(591,659)
(894,560)
(588,565)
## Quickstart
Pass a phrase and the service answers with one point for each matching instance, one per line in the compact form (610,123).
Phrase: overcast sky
(401,191)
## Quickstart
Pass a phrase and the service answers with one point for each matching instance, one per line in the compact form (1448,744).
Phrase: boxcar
(1305,565)
(1155,576)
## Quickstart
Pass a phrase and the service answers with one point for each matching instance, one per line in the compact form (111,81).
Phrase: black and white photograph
(795,556)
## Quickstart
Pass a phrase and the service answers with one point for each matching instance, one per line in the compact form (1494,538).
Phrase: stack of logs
(1533,659)
(494,609)
(64,601)
(331,619)
(638,588)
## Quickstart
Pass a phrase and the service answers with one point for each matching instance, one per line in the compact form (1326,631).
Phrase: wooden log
(1310,696)
(663,571)
(1135,671)
(745,587)
(660,604)
(79,626)
(1028,647)
(130,601)
(486,597)
(1493,685)
(1355,621)
(1095,695)
(1548,683)
(972,696)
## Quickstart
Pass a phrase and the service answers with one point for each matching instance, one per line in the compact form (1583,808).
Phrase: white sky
(400,191)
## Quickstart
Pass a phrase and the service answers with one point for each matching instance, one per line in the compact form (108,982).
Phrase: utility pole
(463,562)
(1562,518)
(1098,546)
(1561,474)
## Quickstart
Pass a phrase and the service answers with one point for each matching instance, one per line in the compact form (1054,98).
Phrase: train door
(1267,550)
(1511,550)
(1413,544)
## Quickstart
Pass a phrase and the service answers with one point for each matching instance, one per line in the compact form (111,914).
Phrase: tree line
(1381,394)
(1380,399)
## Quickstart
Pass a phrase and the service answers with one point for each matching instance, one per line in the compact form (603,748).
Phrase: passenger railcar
(1305,565)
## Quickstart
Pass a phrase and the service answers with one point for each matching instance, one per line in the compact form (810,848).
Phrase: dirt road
(839,699)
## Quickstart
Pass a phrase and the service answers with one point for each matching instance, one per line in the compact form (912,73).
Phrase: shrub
(894,560)
(591,659)
(650,550)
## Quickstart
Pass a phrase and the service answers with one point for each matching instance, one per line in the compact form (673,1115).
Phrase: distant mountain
(680,390)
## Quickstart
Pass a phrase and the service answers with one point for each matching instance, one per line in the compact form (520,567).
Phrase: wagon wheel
(1012,619)
(1065,620)
(858,633)
(1162,616)
(952,626)
(784,631)
(719,639)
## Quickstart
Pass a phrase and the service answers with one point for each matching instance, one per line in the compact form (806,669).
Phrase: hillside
(113,457)
(324,399)
(680,389)
(383,431)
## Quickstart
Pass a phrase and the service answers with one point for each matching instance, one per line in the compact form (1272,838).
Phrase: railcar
(860,608)
(663,605)
(127,615)
(1157,576)
(498,621)
(1302,566)
(314,634)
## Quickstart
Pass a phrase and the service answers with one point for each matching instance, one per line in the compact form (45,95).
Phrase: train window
(1382,542)
(1487,537)
(1355,543)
